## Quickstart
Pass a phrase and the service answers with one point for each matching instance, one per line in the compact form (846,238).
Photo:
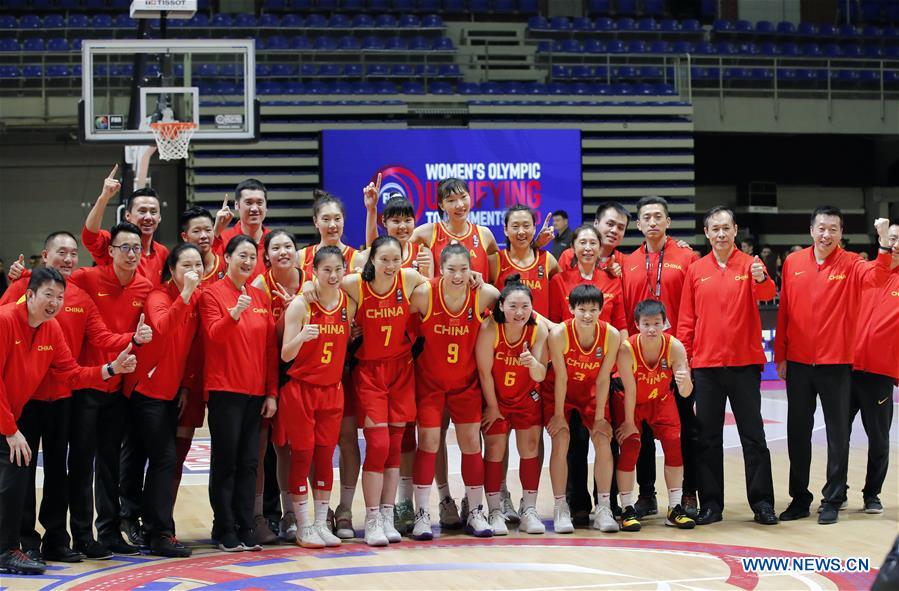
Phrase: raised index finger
(548,219)
(378,184)
(112,173)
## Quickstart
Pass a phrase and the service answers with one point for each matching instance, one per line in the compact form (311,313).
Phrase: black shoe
(581,518)
(764,514)
(708,515)
(133,532)
(873,505)
(35,555)
(795,511)
(93,550)
(62,554)
(229,542)
(646,505)
(690,505)
(629,521)
(16,563)
(829,514)
(118,545)
(168,546)
(249,541)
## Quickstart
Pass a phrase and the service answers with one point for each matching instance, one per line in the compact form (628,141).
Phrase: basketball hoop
(173,138)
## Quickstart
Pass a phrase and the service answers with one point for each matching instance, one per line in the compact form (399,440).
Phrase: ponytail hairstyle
(324,252)
(321,198)
(513,283)
(515,209)
(451,250)
(237,241)
(174,255)
(268,240)
(580,230)
(368,271)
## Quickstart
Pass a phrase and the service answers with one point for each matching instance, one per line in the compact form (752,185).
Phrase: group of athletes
(430,324)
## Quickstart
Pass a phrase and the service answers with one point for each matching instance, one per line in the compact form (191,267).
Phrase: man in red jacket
(32,343)
(814,347)
(251,202)
(723,290)
(875,371)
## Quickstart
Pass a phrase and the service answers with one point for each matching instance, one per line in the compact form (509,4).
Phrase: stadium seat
(363,21)
(431,21)
(594,46)
(372,43)
(848,30)
(786,28)
(615,46)
(396,44)
(277,42)
(528,6)
(827,31)
(681,47)
(9,44)
(560,23)
(869,76)
(559,72)
(872,31)
(386,21)
(405,70)
(221,20)
(299,42)
(627,72)
(790,49)
(636,46)
(691,25)
(726,48)
(428,5)
(406,6)
(363,87)
(51,21)
(807,29)
(123,21)
(669,25)
(571,46)
(626,7)
(284,70)
(348,43)
(245,21)
(324,44)
(651,73)
(722,26)
(353,70)
(625,24)
(811,50)
(378,5)
(853,50)
(599,6)
(339,21)
(468,88)
(316,21)
(443,44)
(653,7)
(873,51)
(504,6)
(428,70)
(769,48)
(30,21)
(604,23)
(269,20)
(57,44)
(409,21)
(10,72)
(705,48)
(377,70)
(413,87)
(450,71)
(453,6)
(647,24)
(764,27)
(478,6)
(385,87)
(198,20)
(330,70)
(581,72)
(743,26)
(582,23)
(33,44)
(7,21)
(419,43)
(57,71)
(269,88)
(263,70)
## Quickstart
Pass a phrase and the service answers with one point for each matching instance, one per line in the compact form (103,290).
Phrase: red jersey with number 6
(383,319)
(511,379)
(450,338)
(473,240)
(581,364)
(653,382)
(320,361)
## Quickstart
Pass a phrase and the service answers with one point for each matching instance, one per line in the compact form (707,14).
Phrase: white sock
(301,511)
(346,496)
(475,496)
(285,500)
(423,497)
(444,491)
(605,500)
(372,512)
(404,489)
(558,500)
(627,499)
(257,505)
(529,499)
(674,497)
(494,500)
(321,512)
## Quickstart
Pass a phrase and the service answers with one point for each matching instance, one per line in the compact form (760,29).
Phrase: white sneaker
(498,523)
(287,527)
(374,531)
(343,519)
(604,520)
(562,519)
(530,521)
(449,514)
(421,531)
(477,525)
(327,537)
(509,512)
(463,511)
(308,537)
(393,536)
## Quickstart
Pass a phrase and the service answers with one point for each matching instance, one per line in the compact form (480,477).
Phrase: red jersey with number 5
(473,240)
(383,319)
(653,382)
(450,338)
(320,361)
(581,364)
(512,380)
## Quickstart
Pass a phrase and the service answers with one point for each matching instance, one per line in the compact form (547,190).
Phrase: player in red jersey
(650,363)
(446,382)
(328,216)
(251,203)
(316,337)
(582,350)
(511,359)
(384,377)
(454,201)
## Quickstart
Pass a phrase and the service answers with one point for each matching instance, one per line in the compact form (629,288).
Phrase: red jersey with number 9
(383,319)
(512,380)
(450,338)
(473,241)
(652,382)
(320,361)
(581,364)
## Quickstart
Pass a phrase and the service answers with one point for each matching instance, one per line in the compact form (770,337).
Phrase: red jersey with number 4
(383,319)
(512,380)
(652,381)
(535,276)
(473,240)
(349,256)
(320,361)
(581,364)
(450,338)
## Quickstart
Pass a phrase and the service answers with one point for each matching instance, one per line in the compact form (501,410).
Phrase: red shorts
(524,413)
(659,413)
(350,407)
(584,404)
(385,390)
(195,409)
(309,415)
(431,400)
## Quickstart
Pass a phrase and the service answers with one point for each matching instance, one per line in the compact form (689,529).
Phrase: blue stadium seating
(7,44)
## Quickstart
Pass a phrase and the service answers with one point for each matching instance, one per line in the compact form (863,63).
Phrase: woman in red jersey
(155,401)
(241,377)
(586,244)
(446,382)
(383,378)
(283,280)
(583,350)
(316,336)
(511,359)
(328,217)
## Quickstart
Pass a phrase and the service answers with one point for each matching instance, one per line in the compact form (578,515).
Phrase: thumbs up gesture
(243,302)
(17,268)
(126,362)
(757,269)
(143,334)
(526,358)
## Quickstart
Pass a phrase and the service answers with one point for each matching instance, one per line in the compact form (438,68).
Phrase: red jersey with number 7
(383,319)
(512,380)
(581,364)
(653,382)
(320,361)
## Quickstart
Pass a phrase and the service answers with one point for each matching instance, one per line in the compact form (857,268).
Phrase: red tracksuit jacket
(639,284)
(877,337)
(151,265)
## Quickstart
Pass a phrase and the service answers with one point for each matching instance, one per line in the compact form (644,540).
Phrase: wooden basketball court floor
(658,557)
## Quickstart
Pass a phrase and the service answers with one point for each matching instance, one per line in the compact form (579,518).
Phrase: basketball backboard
(130,83)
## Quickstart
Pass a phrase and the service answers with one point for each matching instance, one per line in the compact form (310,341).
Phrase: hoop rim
(179,125)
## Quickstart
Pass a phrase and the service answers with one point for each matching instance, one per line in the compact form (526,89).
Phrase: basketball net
(173,138)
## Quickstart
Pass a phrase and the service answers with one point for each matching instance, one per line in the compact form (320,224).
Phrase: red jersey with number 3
(320,361)
(450,338)
(535,276)
(512,380)
(349,255)
(653,382)
(383,319)
(473,240)
(581,364)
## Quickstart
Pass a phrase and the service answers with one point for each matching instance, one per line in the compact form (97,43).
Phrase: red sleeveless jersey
(450,337)
(473,240)
(511,379)
(535,276)
(349,255)
(215,273)
(582,365)
(320,361)
(383,319)
(652,382)
(268,285)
